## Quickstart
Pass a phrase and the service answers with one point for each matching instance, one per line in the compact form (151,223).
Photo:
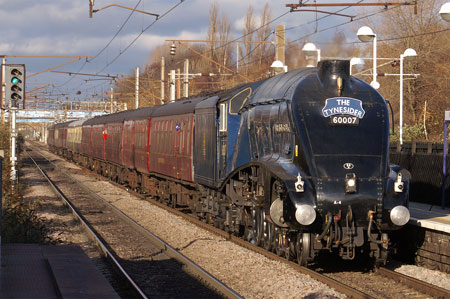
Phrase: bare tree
(263,33)
(402,29)
(212,30)
(247,33)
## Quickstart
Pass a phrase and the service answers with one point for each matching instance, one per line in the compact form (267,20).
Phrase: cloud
(150,41)
(51,46)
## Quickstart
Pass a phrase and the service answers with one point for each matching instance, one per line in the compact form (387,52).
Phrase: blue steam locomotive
(296,163)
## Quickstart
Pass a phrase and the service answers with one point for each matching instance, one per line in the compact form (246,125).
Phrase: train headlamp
(350,183)
(305,214)
(400,215)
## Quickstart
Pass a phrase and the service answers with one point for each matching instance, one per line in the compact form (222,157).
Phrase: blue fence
(425,162)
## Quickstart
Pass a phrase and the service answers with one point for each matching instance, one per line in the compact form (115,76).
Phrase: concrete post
(137,88)
(111,100)
(186,79)
(2,93)
(162,80)
(280,44)
(12,112)
(172,85)
(178,76)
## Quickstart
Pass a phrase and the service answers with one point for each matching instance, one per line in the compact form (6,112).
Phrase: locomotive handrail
(266,102)
(392,116)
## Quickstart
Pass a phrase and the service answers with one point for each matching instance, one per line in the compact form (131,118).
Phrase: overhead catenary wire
(106,46)
(328,28)
(140,34)
(129,45)
(270,22)
(117,33)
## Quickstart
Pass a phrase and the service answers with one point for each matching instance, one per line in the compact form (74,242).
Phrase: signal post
(15,94)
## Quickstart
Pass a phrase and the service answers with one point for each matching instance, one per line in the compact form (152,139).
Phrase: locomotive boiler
(296,163)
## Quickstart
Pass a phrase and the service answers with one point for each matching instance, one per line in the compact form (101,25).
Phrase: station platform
(50,271)
(430,216)
(427,236)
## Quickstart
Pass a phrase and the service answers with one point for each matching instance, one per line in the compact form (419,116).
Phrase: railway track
(385,284)
(355,285)
(148,264)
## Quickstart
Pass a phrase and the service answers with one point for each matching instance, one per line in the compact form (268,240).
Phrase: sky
(63,27)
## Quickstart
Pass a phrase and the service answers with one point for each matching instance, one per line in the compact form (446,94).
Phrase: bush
(20,223)
(410,133)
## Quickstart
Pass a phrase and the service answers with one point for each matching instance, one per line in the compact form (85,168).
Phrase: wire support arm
(129,8)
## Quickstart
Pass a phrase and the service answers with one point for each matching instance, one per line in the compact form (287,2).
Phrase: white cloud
(149,41)
(41,13)
(53,46)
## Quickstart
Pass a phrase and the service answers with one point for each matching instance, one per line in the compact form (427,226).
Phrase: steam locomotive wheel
(250,231)
(277,242)
(259,225)
(281,244)
(303,248)
(267,231)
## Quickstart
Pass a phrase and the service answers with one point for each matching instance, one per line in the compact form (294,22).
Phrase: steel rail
(88,229)
(421,286)
(413,283)
(338,286)
(169,250)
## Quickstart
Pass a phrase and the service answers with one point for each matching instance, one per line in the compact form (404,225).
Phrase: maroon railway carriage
(171,141)
(102,139)
(138,146)
(135,136)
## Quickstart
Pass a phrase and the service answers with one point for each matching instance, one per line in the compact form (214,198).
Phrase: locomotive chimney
(330,70)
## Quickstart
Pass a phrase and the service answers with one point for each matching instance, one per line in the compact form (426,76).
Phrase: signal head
(15,85)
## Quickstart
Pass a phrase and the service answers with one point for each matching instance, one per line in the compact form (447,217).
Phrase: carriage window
(223,117)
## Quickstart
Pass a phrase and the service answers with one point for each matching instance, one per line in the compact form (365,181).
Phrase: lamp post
(310,49)
(445,11)
(445,15)
(366,34)
(409,54)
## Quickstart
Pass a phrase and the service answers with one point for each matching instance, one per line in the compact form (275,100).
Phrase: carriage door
(222,140)
(178,147)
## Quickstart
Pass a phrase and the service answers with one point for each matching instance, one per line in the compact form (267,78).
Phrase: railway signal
(15,85)
(173,49)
